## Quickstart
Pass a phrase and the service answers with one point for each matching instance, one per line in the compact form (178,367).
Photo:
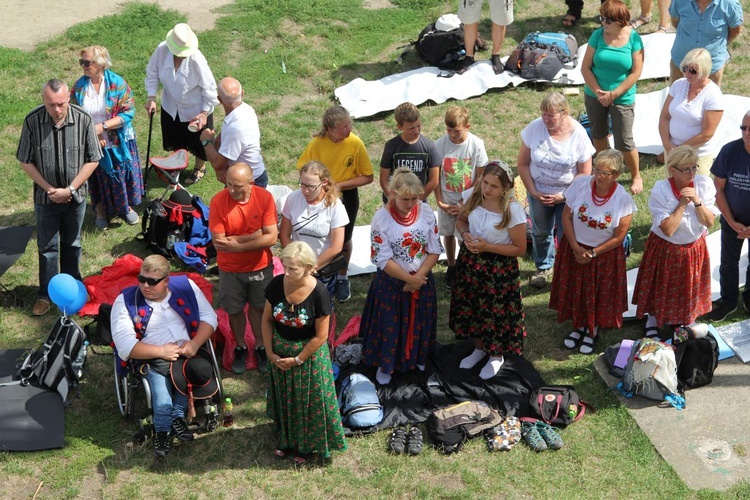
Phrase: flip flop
(640,21)
(302,458)
(279,454)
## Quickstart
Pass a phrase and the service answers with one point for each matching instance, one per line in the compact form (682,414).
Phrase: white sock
(382,377)
(472,359)
(492,367)
(651,321)
(421,367)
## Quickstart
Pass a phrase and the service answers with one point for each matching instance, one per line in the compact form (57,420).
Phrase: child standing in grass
(464,158)
(412,150)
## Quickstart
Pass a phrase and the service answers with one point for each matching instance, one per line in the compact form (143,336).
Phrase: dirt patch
(33,24)
(377,4)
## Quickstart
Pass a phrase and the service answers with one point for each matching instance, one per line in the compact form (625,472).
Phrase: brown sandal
(195,176)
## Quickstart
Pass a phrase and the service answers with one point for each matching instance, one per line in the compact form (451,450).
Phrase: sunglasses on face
(744,127)
(605,20)
(85,63)
(687,69)
(150,281)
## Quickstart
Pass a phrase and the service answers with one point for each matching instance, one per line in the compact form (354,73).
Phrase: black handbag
(337,264)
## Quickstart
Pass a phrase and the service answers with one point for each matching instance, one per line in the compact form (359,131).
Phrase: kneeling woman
(674,280)
(486,302)
(399,322)
(301,396)
(589,285)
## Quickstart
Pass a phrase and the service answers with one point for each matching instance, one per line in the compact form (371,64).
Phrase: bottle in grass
(228,408)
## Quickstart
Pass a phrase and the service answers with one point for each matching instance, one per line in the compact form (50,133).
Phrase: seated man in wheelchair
(153,324)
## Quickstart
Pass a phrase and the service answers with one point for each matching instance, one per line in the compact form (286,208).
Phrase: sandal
(195,176)
(531,435)
(279,454)
(588,345)
(397,442)
(551,438)
(640,21)
(302,458)
(667,29)
(570,20)
(651,332)
(573,339)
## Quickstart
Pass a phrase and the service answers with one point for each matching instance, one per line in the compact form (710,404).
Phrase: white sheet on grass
(366,98)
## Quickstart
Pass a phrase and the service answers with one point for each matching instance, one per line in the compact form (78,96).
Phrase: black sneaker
(343,290)
(414,441)
(720,311)
(450,277)
(238,364)
(162,444)
(181,430)
(497,64)
(260,354)
(397,443)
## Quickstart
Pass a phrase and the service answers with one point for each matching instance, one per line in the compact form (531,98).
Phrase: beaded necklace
(601,200)
(407,220)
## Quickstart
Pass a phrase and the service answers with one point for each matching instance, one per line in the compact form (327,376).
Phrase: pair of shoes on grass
(540,435)
(401,441)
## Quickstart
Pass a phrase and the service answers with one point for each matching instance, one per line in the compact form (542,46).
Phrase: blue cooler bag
(359,403)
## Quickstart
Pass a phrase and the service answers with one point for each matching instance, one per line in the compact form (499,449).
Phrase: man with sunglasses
(243,224)
(239,139)
(731,171)
(59,151)
(156,322)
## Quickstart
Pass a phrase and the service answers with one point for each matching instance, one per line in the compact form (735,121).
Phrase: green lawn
(322,44)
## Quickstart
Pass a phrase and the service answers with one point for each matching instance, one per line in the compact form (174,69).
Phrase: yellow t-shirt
(345,160)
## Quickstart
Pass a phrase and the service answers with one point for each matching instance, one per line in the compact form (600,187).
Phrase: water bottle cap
(228,400)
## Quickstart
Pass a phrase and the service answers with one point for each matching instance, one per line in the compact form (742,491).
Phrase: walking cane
(148,150)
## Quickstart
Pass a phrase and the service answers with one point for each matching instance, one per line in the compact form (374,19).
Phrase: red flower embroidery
(584,218)
(142,313)
(180,302)
(581,209)
(187,311)
(592,223)
(194,323)
(377,239)
(414,249)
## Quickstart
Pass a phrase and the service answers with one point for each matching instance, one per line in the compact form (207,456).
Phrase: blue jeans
(166,401)
(729,270)
(58,231)
(262,180)
(543,222)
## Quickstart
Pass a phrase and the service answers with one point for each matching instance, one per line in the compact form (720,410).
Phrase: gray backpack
(651,372)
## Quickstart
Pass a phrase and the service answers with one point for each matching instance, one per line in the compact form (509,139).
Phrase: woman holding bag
(315,214)
(117,184)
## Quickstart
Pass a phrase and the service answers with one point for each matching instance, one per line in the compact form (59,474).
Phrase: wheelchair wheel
(124,392)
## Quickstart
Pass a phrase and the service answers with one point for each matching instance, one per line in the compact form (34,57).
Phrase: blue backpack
(359,403)
(541,56)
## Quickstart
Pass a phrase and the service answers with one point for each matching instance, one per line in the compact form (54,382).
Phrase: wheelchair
(133,391)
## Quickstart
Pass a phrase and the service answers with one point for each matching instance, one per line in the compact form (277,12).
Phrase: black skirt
(175,134)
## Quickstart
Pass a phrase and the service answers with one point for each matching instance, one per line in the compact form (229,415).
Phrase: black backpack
(166,222)
(697,358)
(450,427)
(557,404)
(58,363)
(444,49)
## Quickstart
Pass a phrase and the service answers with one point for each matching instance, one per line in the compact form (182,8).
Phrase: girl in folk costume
(674,280)
(486,302)
(399,322)
(589,285)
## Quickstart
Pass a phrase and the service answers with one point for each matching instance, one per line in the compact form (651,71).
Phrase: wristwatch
(206,142)
(593,253)
(104,126)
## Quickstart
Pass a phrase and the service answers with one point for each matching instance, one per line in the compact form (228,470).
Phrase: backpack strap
(361,408)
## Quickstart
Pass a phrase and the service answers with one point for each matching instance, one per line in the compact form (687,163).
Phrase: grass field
(322,44)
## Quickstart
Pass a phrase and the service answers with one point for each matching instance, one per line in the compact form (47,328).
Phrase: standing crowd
(81,140)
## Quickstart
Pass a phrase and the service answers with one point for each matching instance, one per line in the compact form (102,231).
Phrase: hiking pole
(148,150)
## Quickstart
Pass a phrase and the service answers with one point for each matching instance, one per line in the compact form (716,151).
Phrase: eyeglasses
(151,281)
(744,127)
(85,63)
(688,170)
(302,185)
(605,20)
(605,173)
(688,69)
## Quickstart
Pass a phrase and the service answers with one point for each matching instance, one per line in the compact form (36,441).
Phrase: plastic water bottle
(228,408)
(572,411)
(80,359)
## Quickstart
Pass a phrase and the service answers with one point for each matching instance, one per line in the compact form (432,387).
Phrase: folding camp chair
(168,168)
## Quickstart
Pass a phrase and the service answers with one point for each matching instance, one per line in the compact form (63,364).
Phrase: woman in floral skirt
(399,322)
(589,285)
(486,302)
(301,396)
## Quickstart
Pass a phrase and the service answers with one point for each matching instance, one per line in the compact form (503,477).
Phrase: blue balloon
(78,302)
(62,290)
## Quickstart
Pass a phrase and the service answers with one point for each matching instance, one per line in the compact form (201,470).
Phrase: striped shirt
(58,153)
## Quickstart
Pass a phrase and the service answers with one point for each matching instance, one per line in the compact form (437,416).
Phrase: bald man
(239,139)
(243,226)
